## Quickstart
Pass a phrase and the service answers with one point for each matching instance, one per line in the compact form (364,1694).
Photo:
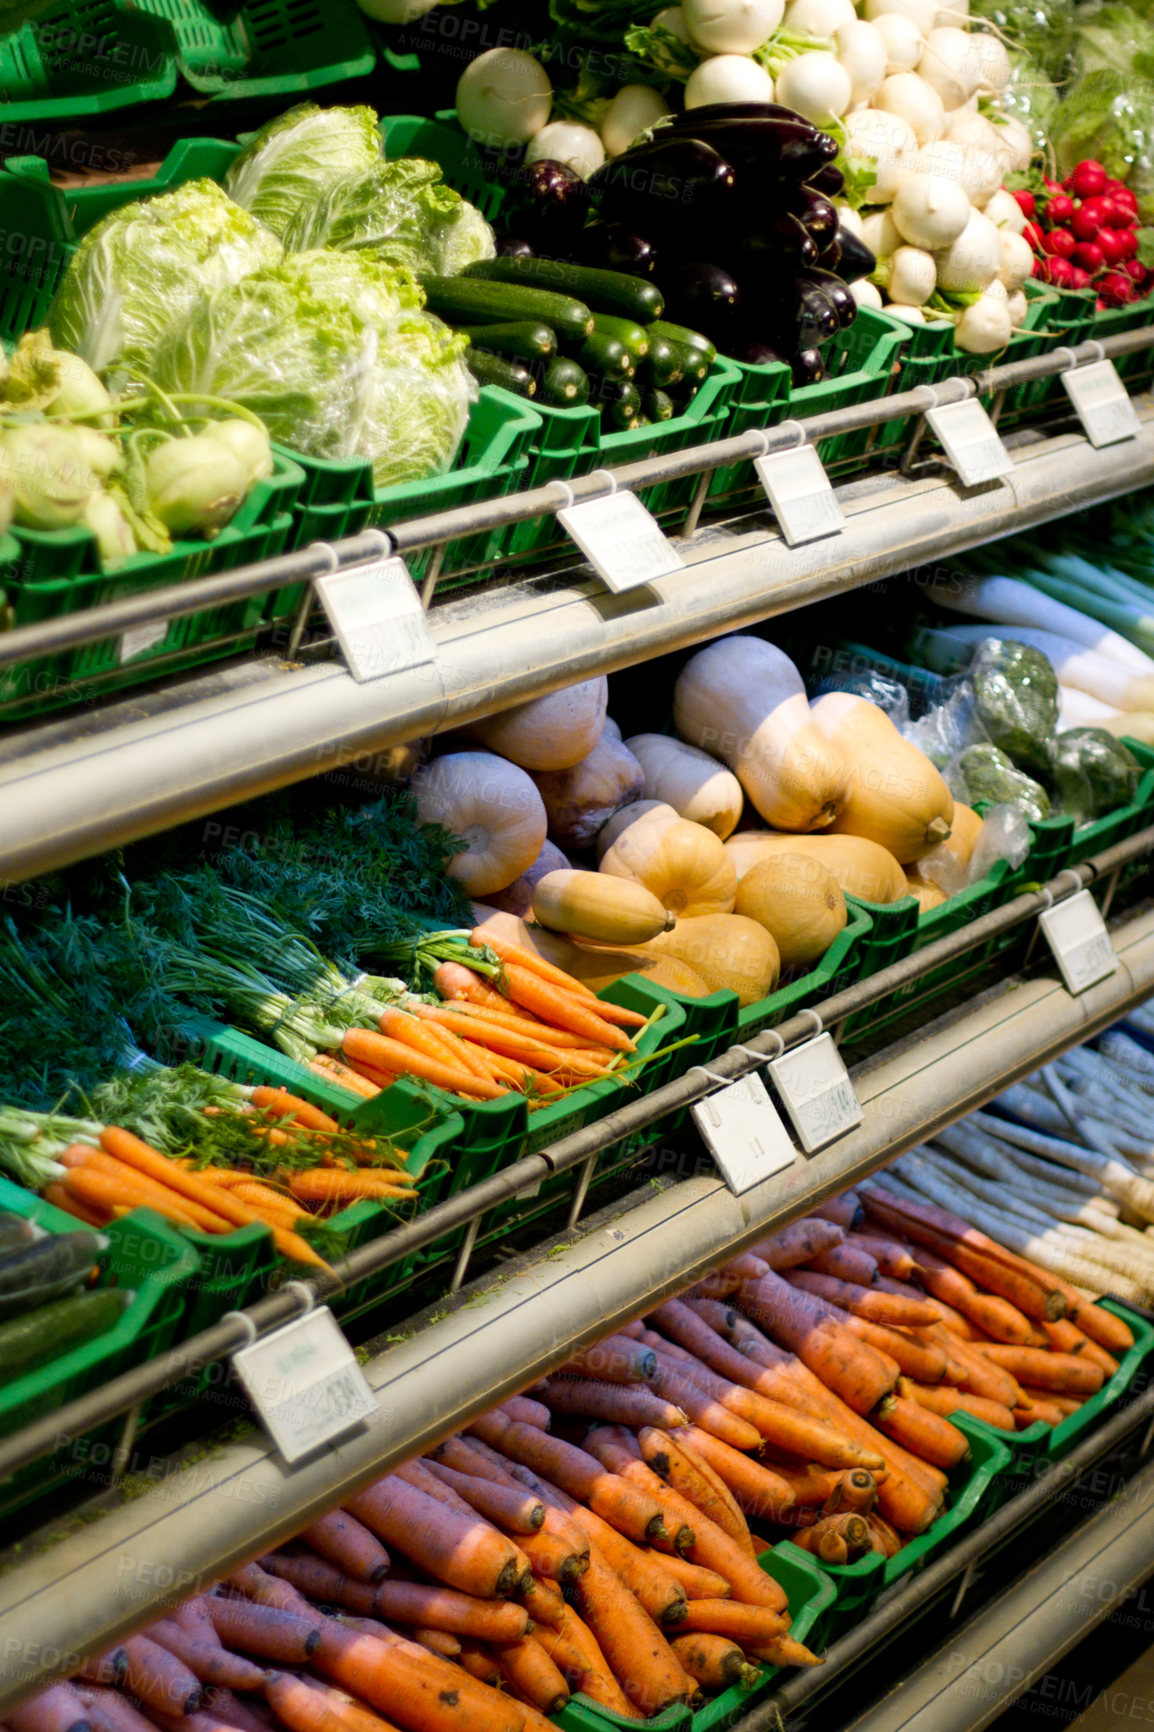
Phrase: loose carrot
(915,1356)
(695,1480)
(976,1255)
(303,1705)
(553,1004)
(1057,1373)
(698,1582)
(847,1262)
(264,1630)
(290,1106)
(875,1307)
(328,1185)
(480,1663)
(784,1651)
(437,1642)
(532,1674)
(891,1257)
(684,1392)
(552,1559)
(980,1375)
(856,1491)
(574,1651)
(322,1582)
(642,1661)
(59,1708)
(849,1368)
(922,1432)
(947,1402)
(715,1662)
(995,1316)
(99,1186)
(207,1661)
(270,1204)
(1066,1404)
(193,1617)
(526,1411)
(267,1590)
(615,1359)
(421,1691)
(758,1491)
(845,1210)
(107,1668)
(812,1486)
(61,1198)
(1035,1411)
(383,1054)
(661,1594)
(469,1555)
(886,1539)
(1066,1337)
(333,1072)
(619,1404)
(159,1679)
(107,1711)
(513,1512)
(227,1706)
(741,1623)
(348,1543)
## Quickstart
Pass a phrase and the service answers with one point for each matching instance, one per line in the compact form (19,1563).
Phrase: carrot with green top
(517,956)
(289,1106)
(365,1046)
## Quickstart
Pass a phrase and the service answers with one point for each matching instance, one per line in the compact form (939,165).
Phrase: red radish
(1085,221)
(1079,279)
(1060,242)
(1116,290)
(1027,203)
(1087,180)
(1112,244)
(1129,242)
(1060,208)
(1060,272)
(1089,257)
(1051,185)
(1034,235)
(1135,270)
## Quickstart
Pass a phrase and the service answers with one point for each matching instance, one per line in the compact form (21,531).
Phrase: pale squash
(798,901)
(595,905)
(859,867)
(896,796)
(928,895)
(549,733)
(683,864)
(743,700)
(675,975)
(493,806)
(621,820)
(517,897)
(696,785)
(579,800)
(725,950)
(947,866)
(595,968)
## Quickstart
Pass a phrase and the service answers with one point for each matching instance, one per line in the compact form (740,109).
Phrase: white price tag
(305,1383)
(971,442)
(1077,935)
(621,540)
(377,616)
(799,491)
(1102,403)
(816,1092)
(742,1131)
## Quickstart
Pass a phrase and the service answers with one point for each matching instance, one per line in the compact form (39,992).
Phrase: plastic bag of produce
(336,355)
(948,726)
(1113,37)
(296,158)
(1109,117)
(144,265)
(983,773)
(1016,701)
(876,687)
(401,212)
(1043,28)
(1093,773)
(1005,835)
(1032,97)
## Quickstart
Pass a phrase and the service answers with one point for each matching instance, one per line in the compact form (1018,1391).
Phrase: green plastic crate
(977,1488)
(274,48)
(60,572)
(83,59)
(1067,319)
(1137,369)
(145,1254)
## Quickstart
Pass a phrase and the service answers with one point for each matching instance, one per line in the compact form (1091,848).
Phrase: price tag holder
(816,1092)
(971,442)
(742,1131)
(305,1384)
(800,493)
(621,540)
(1102,403)
(378,619)
(1077,935)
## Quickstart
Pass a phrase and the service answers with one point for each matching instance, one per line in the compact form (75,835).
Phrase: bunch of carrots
(545,1033)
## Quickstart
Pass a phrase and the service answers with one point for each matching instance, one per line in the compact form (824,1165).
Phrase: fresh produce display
(1085,234)
(47,1304)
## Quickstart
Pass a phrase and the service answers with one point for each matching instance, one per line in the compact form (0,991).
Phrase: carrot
(1057,1373)
(525,1410)
(418,1474)
(59,1708)
(714,1662)
(875,1307)
(758,1491)
(615,1359)
(890,1255)
(698,1582)
(642,1661)
(981,1376)
(845,1365)
(159,1679)
(270,1204)
(383,1054)
(552,1004)
(856,1491)
(61,1198)
(303,1705)
(1035,1411)
(332,1072)
(207,1661)
(107,1711)
(290,1106)
(847,1262)
(733,1619)
(846,1210)
(193,1617)
(552,1559)
(654,1588)
(453,980)
(924,1433)
(1066,1337)
(617,1403)
(480,1663)
(96,1187)
(435,1040)
(886,1539)
(574,1651)
(514,1512)
(518,1022)
(915,1356)
(686,1393)
(995,1316)
(1101,1326)
(692,1477)
(982,1258)
(466,1554)
(508,1042)
(529,960)
(340,1185)
(346,1542)
(320,1581)
(437,1642)
(257,1584)
(107,1668)
(532,1674)
(229,1709)
(947,1402)
(1066,1404)
(264,1630)
(421,1691)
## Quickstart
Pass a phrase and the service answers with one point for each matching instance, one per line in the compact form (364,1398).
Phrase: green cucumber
(53,1330)
(604,291)
(469,301)
(664,363)
(526,340)
(628,332)
(32,1274)
(563,384)
(658,405)
(602,353)
(621,401)
(499,370)
(14,1231)
(681,336)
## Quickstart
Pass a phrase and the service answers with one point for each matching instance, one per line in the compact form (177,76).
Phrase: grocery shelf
(76,787)
(109,1577)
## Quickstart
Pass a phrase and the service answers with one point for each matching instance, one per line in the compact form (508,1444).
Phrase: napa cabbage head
(401,212)
(336,355)
(141,267)
(296,158)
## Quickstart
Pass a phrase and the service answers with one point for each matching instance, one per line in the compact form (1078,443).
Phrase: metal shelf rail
(107,1579)
(515,641)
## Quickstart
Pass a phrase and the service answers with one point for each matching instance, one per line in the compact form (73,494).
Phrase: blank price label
(742,1131)
(1077,935)
(971,442)
(1102,403)
(305,1384)
(621,540)
(378,619)
(799,491)
(816,1092)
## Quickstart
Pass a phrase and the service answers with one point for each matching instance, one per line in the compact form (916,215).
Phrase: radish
(994,62)
(1017,306)
(634,109)
(818,17)
(971,262)
(732,26)
(908,315)
(930,211)
(921,13)
(1017,261)
(903,40)
(1005,212)
(888,142)
(567,141)
(977,172)
(728,78)
(1017,140)
(815,85)
(997,291)
(984,327)
(913,277)
(881,234)
(913,100)
(862,51)
(866,294)
(850,220)
(504,97)
(975,132)
(950,65)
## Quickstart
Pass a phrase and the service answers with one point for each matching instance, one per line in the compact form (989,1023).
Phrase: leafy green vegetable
(985,773)
(144,265)
(1016,701)
(296,158)
(1111,36)
(663,50)
(1031,97)
(400,212)
(1093,773)
(1044,29)
(1109,116)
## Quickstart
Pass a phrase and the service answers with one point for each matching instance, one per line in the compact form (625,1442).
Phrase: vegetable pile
(1084,232)
(46,1308)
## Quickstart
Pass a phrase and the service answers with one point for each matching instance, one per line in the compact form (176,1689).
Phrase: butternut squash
(798,901)
(627,815)
(928,895)
(549,733)
(896,796)
(493,806)
(595,905)
(947,866)
(517,897)
(595,968)
(683,864)
(743,700)
(695,784)
(859,867)
(726,950)
(579,800)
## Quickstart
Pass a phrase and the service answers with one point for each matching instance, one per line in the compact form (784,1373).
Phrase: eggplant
(512,247)
(779,240)
(817,316)
(612,247)
(816,212)
(552,203)
(808,367)
(759,354)
(692,119)
(856,259)
(829,257)
(829,180)
(837,294)
(703,296)
(657,188)
(788,149)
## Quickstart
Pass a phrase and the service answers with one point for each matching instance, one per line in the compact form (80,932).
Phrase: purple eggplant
(759,354)
(658,188)
(829,257)
(778,241)
(816,212)
(612,247)
(552,204)
(829,180)
(808,367)
(856,259)
(788,151)
(836,293)
(702,296)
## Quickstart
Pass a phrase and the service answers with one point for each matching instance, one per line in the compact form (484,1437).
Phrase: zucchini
(658,405)
(14,1230)
(563,383)
(621,401)
(601,353)
(31,1275)
(604,291)
(663,363)
(499,370)
(469,301)
(56,1329)
(627,331)
(683,337)
(526,340)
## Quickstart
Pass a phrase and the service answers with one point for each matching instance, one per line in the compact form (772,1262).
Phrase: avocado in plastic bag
(1093,773)
(1016,697)
(986,773)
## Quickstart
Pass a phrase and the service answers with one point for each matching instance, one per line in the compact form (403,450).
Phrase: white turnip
(913,277)
(921,13)
(732,26)
(888,143)
(1017,140)
(634,109)
(1017,260)
(881,234)
(1017,306)
(930,210)
(567,141)
(1005,212)
(850,220)
(818,17)
(861,49)
(913,100)
(903,40)
(866,294)
(976,171)
(816,85)
(993,61)
(985,327)
(908,315)
(950,64)
(728,78)
(504,97)
(971,262)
